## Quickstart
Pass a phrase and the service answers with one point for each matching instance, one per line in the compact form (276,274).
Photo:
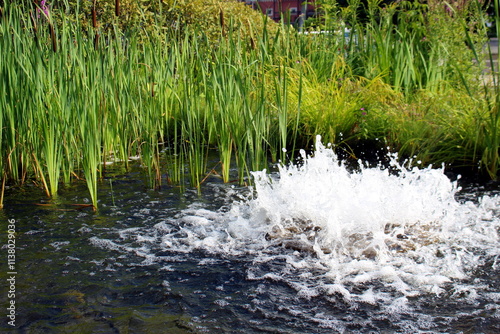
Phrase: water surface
(313,248)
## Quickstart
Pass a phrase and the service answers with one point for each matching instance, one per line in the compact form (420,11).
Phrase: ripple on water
(377,240)
(315,247)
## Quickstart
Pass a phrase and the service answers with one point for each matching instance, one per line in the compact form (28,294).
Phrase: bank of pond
(75,100)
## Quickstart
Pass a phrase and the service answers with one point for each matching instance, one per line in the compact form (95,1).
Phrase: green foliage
(161,17)
(412,44)
(72,103)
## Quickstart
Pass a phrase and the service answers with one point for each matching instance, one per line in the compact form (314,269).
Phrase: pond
(314,247)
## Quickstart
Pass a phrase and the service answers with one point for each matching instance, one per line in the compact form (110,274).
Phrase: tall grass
(487,129)
(421,66)
(72,104)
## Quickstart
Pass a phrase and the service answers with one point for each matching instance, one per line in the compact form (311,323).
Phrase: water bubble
(374,236)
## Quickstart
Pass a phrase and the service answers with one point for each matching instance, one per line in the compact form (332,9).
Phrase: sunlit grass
(170,99)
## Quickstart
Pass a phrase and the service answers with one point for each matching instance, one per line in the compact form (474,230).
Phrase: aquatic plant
(170,98)
(488,125)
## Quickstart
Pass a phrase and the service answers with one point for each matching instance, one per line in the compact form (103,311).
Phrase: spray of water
(375,236)
(398,227)
(402,229)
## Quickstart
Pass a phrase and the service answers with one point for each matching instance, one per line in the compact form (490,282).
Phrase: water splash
(399,227)
(375,237)
(404,229)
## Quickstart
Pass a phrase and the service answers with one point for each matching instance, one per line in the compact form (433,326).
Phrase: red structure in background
(287,9)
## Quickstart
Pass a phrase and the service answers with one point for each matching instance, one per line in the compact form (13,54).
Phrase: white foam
(406,230)
(356,230)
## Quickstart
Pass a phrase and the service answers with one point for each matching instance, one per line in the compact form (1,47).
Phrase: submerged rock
(291,228)
(304,236)
(298,235)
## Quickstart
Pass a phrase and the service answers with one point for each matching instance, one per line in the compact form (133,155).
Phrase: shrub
(151,17)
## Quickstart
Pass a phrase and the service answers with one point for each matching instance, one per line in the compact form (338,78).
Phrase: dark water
(109,272)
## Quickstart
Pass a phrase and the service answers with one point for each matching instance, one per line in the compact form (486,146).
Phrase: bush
(149,17)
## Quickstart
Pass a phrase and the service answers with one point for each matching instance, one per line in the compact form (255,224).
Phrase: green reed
(227,107)
(408,81)
(487,125)
(89,104)
(169,99)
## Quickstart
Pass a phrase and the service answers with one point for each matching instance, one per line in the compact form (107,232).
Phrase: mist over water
(376,248)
